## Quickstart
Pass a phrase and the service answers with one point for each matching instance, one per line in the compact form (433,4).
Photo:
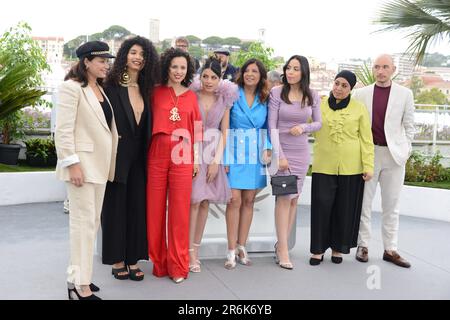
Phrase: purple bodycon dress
(283,117)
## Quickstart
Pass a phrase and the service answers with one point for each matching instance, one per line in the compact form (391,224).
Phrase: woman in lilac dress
(215,98)
(290,108)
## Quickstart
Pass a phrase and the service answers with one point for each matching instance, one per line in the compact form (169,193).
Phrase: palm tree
(365,74)
(14,93)
(426,21)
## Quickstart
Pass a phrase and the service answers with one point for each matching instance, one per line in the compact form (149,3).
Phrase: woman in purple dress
(290,108)
(215,98)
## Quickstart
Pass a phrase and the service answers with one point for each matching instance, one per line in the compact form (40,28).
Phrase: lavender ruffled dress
(219,190)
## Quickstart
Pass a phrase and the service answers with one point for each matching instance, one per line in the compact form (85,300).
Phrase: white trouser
(390,176)
(85,206)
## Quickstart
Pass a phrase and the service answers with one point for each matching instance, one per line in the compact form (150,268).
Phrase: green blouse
(344,145)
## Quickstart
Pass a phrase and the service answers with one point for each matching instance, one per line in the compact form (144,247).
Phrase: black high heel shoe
(72,289)
(94,288)
(315,262)
(336,260)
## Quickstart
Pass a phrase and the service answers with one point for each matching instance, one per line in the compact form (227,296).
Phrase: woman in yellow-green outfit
(343,161)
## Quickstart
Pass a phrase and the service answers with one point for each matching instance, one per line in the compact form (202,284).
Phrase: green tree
(115,31)
(18,41)
(433,96)
(415,85)
(193,39)
(436,60)
(166,44)
(213,41)
(258,51)
(365,74)
(15,93)
(21,64)
(426,21)
(279,60)
(99,36)
(232,41)
(71,46)
(245,45)
(196,51)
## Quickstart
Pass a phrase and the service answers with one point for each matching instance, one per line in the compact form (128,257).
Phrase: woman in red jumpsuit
(177,127)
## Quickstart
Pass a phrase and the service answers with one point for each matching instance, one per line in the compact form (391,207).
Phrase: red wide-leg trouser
(168,244)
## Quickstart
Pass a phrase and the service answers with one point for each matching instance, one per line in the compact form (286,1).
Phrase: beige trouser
(390,176)
(85,205)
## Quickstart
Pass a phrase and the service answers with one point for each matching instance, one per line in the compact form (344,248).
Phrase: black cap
(223,51)
(94,48)
(347,75)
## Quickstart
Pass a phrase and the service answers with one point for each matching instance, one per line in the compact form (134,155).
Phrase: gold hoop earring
(125,79)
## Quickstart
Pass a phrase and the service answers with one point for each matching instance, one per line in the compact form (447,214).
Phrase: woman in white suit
(86,144)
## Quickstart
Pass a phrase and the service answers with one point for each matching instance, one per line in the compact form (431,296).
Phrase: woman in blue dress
(247,153)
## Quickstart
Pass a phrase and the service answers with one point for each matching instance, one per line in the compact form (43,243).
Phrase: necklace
(174,115)
(134,84)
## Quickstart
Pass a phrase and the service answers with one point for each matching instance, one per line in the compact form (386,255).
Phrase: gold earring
(125,77)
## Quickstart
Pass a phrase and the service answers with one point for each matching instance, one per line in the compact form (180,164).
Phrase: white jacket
(399,121)
(82,135)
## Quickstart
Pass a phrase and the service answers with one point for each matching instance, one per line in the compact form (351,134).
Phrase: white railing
(436,118)
(432,125)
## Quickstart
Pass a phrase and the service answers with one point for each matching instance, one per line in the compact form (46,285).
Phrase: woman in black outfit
(129,87)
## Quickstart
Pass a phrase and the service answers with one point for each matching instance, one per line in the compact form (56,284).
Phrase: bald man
(391,108)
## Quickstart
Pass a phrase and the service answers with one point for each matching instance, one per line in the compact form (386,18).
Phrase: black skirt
(336,202)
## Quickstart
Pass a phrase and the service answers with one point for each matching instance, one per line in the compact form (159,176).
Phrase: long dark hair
(148,76)
(262,87)
(304,81)
(78,72)
(166,60)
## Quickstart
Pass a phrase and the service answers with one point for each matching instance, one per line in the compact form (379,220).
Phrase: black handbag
(284,185)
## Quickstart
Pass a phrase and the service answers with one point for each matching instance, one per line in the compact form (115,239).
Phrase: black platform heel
(115,273)
(72,289)
(134,276)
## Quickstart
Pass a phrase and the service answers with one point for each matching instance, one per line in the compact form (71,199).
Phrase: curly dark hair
(263,87)
(149,76)
(166,60)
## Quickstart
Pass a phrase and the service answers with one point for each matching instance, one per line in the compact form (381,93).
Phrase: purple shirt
(380,102)
(283,116)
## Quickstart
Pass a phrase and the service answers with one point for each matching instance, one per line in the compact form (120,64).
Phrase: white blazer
(399,121)
(82,134)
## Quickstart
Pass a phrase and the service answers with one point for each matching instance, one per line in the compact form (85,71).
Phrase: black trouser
(336,203)
(124,219)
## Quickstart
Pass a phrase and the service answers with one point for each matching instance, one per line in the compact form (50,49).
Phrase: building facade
(154,30)
(53,48)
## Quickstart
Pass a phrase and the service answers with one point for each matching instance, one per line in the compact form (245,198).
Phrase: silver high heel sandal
(231,260)
(195,267)
(244,260)
(284,265)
